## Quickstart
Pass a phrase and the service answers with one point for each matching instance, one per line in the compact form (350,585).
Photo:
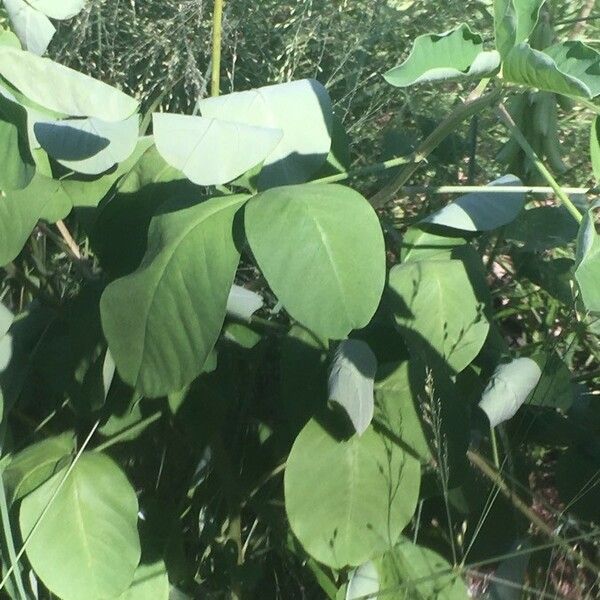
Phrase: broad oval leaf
(435,305)
(91,526)
(162,321)
(595,148)
(455,54)
(481,211)
(587,270)
(32,27)
(61,89)
(88,146)
(301,109)
(321,249)
(58,9)
(514,21)
(212,151)
(420,574)
(35,464)
(351,381)
(150,582)
(348,500)
(570,68)
(509,388)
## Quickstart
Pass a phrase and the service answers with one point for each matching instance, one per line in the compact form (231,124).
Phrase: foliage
(230,310)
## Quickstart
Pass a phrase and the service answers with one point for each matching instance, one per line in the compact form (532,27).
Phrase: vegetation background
(159,51)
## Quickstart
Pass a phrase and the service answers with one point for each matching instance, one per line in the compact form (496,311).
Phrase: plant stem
(496,478)
(217,33)
(472,106)
(68,238)
(541,167)
(367,170)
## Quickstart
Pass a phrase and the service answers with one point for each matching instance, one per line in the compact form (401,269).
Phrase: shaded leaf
(321,249)
(514,22)
(150,582)
(455,54)
(542,228)
(162,321)
(587,268)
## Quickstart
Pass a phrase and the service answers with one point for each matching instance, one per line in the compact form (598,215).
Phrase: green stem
(472,106)
(367,170)
(541,167)
(217,34)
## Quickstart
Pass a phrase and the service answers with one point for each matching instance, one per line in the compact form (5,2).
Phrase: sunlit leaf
(514,22)
(587,270)
(58,9)
(32,27)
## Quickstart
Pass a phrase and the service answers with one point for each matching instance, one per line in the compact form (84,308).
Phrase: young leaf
(88,146)
(587,270)
(321,249)
(32,27)
(243,303)
(422,574)
(36,464)
(481,211)
(363,582)
(456,54)
(348,500)
(212,151)
(91,526)
(437,310)
(301,109)
(570,68)
(514,21)
(509,388)
(61,89)
(351,380)
(162,321)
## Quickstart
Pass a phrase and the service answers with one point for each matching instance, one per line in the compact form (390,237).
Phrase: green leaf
(34,465)
(421,244)
(587,269)
(6,320)
(348,500)
(554,389)
(18,167)
(570,68)
(419,574)
(595,147)
(162,321)
(21,210)
(481,211)
(150,582)
(212,151)
(61,89)
(88,146)
(448,56)
(351,380)
(301,109)
(58,9)
(91,527)
(32,27)
(509,388)
(242,303)
(438,312)
(321,249)
(514,22)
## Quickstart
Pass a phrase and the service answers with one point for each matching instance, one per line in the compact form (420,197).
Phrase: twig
(68,238)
